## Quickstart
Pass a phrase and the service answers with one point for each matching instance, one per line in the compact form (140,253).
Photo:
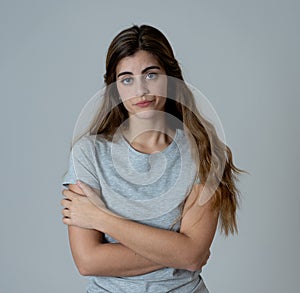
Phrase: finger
(66,203)
(95,199)
(69,194)
(67,221)
(92,194)
(63,191)
(66,213)
(87,190)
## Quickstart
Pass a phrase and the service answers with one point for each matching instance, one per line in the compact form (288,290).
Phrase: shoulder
(83,142)
(89,143)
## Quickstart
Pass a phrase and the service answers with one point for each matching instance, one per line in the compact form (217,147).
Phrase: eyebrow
(144,70)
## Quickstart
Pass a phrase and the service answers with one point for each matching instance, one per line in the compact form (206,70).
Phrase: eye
(127,81)
(151,75)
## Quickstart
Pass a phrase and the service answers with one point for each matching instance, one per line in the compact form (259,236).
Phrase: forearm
(169,248)
(115,259)
(186,249)
(92,257)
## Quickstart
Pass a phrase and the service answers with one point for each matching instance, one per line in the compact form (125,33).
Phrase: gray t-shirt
(147,188)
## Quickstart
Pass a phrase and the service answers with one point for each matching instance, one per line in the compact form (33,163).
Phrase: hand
(84,211)
(94,196)
(79,210)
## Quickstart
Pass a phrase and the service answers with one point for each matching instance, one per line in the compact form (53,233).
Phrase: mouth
(144,104)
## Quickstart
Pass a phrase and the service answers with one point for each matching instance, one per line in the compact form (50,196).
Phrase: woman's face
(142,84)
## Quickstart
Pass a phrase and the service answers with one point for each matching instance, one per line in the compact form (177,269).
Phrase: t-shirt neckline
(164,151)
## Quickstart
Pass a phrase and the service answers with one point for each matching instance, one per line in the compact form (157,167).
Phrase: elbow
(83,271)
(196,257)
(193,266)
(86,264)
(194,262)
(83,267)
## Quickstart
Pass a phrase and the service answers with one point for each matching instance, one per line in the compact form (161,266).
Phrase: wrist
(102,223)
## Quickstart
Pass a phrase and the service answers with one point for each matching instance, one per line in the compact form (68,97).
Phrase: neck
(148,134)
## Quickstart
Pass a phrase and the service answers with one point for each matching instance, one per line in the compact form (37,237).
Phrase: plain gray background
(243,55)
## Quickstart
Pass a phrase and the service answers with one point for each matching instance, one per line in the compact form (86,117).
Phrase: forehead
(137,62)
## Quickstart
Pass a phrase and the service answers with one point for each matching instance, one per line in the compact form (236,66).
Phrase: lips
(143,104)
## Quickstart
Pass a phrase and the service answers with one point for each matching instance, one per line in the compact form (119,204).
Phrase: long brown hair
(213,153)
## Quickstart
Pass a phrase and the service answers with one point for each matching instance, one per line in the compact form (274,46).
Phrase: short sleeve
(82,165)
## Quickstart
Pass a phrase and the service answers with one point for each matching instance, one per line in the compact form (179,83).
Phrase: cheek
(128,105)
(160,88)
(125,93)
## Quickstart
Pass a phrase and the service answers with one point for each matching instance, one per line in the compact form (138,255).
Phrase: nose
(141,88)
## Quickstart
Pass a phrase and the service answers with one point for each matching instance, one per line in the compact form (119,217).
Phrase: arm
(187,249)
(104,259)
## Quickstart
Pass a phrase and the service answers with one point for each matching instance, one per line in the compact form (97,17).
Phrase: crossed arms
(141,248)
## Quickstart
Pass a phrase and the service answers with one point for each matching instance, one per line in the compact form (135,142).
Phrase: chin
(146,114)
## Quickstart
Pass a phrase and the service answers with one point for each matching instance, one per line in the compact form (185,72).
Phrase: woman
(138,220)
